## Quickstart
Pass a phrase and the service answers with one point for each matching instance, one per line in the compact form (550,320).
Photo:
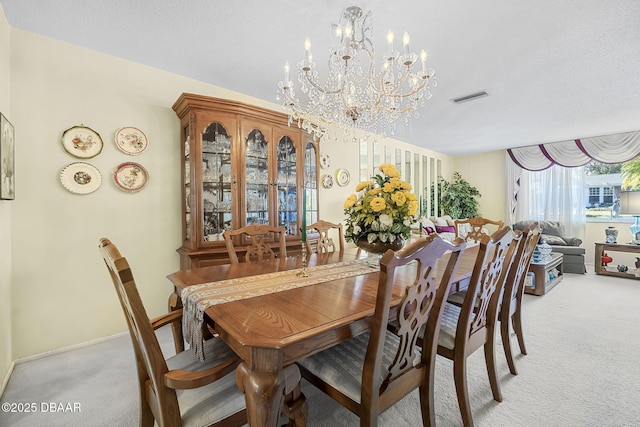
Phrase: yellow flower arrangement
(382,208)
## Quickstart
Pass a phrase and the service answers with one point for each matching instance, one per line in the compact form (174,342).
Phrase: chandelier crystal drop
(355,93)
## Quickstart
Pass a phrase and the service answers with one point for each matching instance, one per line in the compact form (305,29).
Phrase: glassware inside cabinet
(256,178)
(287,185)
(216,182)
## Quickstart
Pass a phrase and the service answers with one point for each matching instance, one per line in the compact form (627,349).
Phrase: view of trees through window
(604,182)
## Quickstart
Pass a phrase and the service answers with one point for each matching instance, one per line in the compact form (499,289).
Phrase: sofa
(443,225)
(553,233)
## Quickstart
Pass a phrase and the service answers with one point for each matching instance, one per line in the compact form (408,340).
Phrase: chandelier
(355,94)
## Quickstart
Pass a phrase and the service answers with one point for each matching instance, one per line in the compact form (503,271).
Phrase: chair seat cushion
(448,325)
(341,366)
(209,404)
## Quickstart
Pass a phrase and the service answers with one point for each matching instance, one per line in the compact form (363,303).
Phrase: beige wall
(5,211)
(487,172)
(61,294)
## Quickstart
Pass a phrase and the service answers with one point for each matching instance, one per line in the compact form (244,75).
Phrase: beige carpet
(582,369)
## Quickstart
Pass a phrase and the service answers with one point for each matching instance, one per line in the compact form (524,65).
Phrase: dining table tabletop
(270,331)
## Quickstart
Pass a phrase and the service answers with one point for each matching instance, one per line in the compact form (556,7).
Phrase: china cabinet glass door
(187,185)
(287,190)
(256,178)
(216,182)
(310,182)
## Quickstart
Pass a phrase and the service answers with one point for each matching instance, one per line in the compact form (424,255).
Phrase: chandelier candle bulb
(286,73)
(405,42)
(307,48)
(423,58)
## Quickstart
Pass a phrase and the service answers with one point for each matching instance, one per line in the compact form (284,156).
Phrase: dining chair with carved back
(369,373)
(510,310)
(180,390)
(324,241)
(472,229)
(511,306)
(262,238)
(465,329)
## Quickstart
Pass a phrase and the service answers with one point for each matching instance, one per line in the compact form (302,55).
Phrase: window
(607,196)
(594,196)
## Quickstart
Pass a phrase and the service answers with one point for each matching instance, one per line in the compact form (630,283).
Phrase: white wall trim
(5,380)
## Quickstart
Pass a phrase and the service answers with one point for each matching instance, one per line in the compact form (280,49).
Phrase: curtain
(616,148)
(553,194)
(546,181)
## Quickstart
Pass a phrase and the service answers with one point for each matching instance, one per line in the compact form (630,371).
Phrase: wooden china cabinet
(241,164)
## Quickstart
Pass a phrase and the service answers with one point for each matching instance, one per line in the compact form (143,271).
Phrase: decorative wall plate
(342,177)
(130,177)
(327,181)
(82,142)
(325,161)
(80,178)
(131,140)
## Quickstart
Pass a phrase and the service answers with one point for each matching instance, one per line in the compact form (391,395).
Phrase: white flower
(385,221)
(422,219)
(407,222)
(356,229)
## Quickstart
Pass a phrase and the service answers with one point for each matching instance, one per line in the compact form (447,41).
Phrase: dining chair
(181,390)
(260,247)
(511,305)
(369,373)
(472,229)
(465,329)
(324,242)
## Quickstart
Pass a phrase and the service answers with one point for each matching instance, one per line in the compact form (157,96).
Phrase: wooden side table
(601,248)
(542,282)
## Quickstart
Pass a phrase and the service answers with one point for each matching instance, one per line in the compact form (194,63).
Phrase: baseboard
(5,380)
(69,348)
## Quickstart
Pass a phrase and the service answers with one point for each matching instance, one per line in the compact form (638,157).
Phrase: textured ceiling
(554,70)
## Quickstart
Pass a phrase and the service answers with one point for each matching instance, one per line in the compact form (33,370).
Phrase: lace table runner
(197,298)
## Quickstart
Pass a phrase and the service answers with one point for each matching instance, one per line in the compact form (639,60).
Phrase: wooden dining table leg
(264,383)
(174,303)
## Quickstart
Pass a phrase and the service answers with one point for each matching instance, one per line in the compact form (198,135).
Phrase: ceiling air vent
(470,97)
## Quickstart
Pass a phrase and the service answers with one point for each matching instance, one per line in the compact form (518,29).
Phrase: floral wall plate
(327,181)
(81,178)
(82,142)
(342,177)
(131,140)
(130,177)
(325,161)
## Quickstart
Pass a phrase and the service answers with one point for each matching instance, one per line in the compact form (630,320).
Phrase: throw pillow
(429,230)
(438,220)
(445,229)
(552,240)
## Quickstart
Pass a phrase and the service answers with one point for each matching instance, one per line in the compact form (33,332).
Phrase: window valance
(615,148)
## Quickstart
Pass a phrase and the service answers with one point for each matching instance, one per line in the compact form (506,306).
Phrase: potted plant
(457,198)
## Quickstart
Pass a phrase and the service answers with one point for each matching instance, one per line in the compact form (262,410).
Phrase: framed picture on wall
(7,145)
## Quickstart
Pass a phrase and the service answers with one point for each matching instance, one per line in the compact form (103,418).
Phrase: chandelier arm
(318,87)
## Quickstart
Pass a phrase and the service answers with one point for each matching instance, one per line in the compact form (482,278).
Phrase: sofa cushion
(552,240)
(569,250)
(445,229)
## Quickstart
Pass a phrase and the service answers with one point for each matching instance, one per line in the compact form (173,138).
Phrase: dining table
(277,311)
